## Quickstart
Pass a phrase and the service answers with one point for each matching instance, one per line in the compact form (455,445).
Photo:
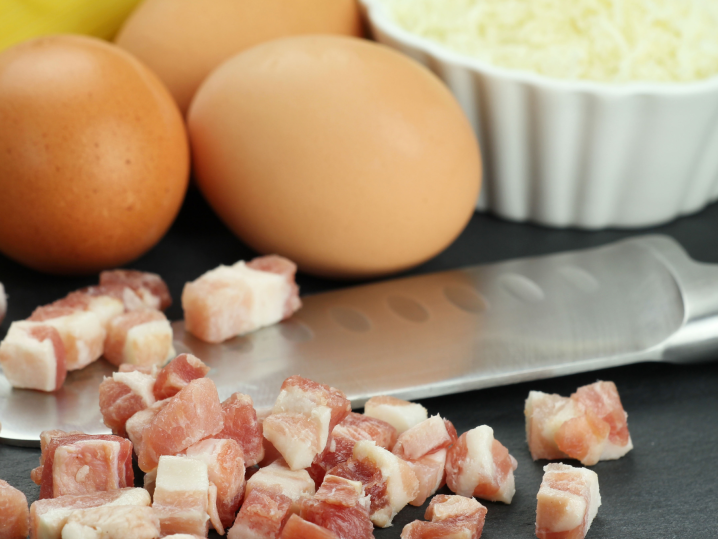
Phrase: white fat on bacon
(400,414)
(181,495)
(567,501)
(112,522)
(430,472)
(139,338)
(423,438)
(86,466)
(545,413)
(30,362)
(296,485)
(83,335)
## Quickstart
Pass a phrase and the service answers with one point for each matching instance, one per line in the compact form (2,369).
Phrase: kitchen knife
(636,300)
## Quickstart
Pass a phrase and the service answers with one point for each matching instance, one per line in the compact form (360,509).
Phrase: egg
(338,153)
(183,40)
(94,159)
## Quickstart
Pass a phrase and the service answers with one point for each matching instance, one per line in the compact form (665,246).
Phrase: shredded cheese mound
(615,41)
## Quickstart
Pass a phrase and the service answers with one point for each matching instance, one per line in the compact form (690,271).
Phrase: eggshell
(183,40)
(94,159)
(338,153)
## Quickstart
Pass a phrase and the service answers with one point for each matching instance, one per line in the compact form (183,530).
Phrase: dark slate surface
(666,487)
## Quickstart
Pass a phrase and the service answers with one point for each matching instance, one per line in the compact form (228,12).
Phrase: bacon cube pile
(335,474)
(121,318)
(589,426)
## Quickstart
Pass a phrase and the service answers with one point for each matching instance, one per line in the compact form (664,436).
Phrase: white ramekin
(577,153)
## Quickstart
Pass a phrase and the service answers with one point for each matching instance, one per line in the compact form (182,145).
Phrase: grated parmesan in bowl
(614,41)
(590,113)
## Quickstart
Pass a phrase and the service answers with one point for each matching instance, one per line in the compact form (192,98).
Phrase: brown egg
(338,153)
(94,158)
(183,40)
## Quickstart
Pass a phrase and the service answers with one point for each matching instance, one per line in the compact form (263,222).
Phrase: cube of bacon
(112,522)
(427,437)
(602,399)
(583,437)
(242,426)
(140,338)
(401,414)
(177,374)
(14,513)
(568,501)
(46,437)
(192,415)
(85,463)
(150,287)
(48,517)
(296,485)
(430,472)
(229,301)
(390,481)
(452,517)
(298,528)
(106,307)
(262,516)
(545,413)
(81,332)
(353,428)
(181,495)
(32,356)
(225,469)
(152,370)
(340,506)
(478,465)
(122,396)
(304,414)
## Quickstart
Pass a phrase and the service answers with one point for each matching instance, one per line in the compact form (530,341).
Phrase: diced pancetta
(390,481)
(104,306)
(341,506)
(81,332)
(296,485)
(139,337)
(130,299)
(181,495)
(452,517)
(353,428)
(149,286)
(225,469)
(302,418)
(192,415)
(568,501)
(401,414)
(430,472)
(177,374)
(32,356)
(298,528)
(545,413)
(112,522)
(46,437)
(84,463)
(234,300)
(242,426)
(262,516)
(478,465)
(48,517)
(122,396)
(14,513)
(427,437)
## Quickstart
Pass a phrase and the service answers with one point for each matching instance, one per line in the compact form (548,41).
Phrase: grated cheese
(601,40)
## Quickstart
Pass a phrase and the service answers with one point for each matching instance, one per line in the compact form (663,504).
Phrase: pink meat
(430,472)
(118,330)
(287,268)
(49,312)
(340,506)
(298,528)
(193,414)
(28,361)
(177,374)
(42,333)
(371,478)
(603,400)
(120,399)
(96,468)
(583,437)
(144,369)
(427,437)
(262,516)
(139,423)
(353,428)
(242,426)
(149,286)
(46,437)
(225,468)
(14,513)
(451,516)
(129,298)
